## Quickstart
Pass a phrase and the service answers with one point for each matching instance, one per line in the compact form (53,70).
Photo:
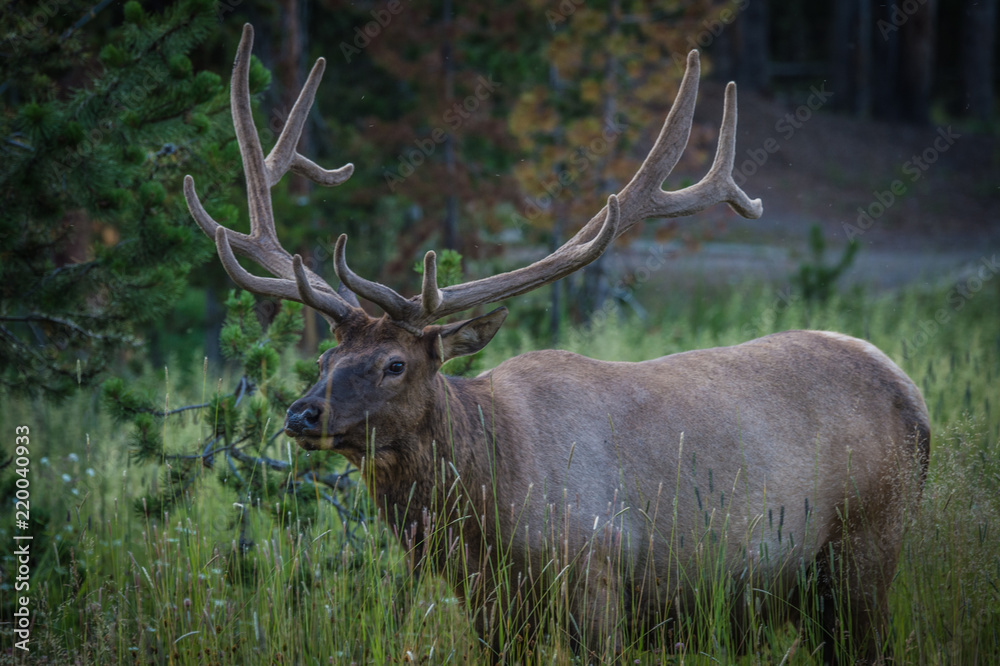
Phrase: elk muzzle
(303,419)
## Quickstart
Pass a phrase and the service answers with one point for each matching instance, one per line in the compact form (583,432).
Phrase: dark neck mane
(418,471)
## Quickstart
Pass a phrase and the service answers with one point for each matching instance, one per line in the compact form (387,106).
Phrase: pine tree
(100,119)
(241,441)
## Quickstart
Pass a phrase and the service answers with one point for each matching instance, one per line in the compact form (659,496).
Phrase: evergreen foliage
(449,266)
(241,438)
(815,279)
(98,129)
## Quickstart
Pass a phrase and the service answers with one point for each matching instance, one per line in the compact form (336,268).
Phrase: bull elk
(609,482)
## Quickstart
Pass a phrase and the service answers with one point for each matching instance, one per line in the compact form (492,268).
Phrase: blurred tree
(895,60)
(739,37)
(437,137)
(98,128)
(290,68)
(815,279)
(978,56)
(608,86)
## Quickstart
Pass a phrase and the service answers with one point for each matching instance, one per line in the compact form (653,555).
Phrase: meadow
(117,585)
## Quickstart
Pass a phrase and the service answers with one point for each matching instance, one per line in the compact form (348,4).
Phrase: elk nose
(301,418)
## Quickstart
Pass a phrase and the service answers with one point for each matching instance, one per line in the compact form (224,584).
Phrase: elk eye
(396,368)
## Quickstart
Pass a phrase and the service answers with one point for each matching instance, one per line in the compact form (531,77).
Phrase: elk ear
(467,337)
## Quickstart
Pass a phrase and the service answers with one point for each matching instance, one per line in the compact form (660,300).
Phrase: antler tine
(674,134)
(276,287)
(306,168)
(254,168)
(319,301)
(293,281)
(642,198)
(396,306)
(284,155)
(198,212)
(725,157)
(717,185)
(567,259)
(331,306)
(280,158)
(430,295)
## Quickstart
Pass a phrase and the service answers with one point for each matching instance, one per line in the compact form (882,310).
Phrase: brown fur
(564,460)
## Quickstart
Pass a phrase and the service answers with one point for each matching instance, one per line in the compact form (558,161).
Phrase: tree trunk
(448,64)
(595,283)
(978,47)
(885,76)
(752,44)
(555,305)
(863,101)
(289,66)
(844,52)
(916,58)
(214,317)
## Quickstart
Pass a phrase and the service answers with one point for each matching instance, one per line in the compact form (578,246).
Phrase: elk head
(381,378)
(383,372)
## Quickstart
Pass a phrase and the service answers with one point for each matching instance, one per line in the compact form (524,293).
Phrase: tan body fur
(590,452)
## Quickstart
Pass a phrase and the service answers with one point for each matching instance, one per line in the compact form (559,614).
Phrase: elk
(608,481)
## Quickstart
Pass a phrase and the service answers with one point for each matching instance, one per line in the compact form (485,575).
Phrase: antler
(294,281)
(642,198)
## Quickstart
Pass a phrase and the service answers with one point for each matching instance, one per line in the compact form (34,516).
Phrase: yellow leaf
(590,91)
(566,55)
(589,21)
(581,132)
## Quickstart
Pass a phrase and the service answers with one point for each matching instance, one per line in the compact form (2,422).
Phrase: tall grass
(117,587)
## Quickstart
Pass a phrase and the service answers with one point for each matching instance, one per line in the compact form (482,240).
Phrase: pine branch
(232,468)
(84,20)
(64,322)
(245,458)
(340,481)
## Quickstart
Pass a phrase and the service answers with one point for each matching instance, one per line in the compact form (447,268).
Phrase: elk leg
(596,610)
(854,580)
(870,577)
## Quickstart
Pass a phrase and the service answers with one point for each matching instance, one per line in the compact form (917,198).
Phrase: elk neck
(446,466)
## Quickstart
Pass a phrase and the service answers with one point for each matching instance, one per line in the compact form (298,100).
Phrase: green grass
(116,587)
